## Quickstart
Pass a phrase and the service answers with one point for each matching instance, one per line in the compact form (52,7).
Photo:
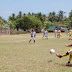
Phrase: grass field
(18,55)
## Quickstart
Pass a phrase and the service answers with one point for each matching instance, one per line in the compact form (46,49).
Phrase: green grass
(18,55)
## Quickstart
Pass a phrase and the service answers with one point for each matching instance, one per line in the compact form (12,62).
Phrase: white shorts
(32,38)
(56,33)
(46,35)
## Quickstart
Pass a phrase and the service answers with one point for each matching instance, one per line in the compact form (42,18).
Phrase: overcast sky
(7,7)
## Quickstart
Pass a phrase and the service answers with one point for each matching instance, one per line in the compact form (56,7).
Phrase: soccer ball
(52,51)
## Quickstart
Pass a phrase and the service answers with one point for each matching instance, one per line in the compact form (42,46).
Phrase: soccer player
(33,34)
(59,33)
(69,52)
(70,33)
(55,30)
(45,34)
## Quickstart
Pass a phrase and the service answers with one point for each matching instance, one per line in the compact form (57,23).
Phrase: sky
(7,7)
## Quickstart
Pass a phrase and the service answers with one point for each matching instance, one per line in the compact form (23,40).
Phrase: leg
(29,40)
(65,54)
(43,36)
(69,61)
(55,34)
(68,45)
(58,35)
(60,56)
(47,37)
(34,41)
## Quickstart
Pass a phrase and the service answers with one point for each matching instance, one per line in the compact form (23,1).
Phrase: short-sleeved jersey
(70,51)
(59,31)
(33,34)
(55,30)
(45,32)
(70,33)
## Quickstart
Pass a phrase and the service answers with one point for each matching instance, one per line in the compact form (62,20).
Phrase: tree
(39,15)
(61,15)
(33,14)
(18,23)
(24,14)
(12,18)
(47,24)
(23,23)
(36,23)
(52,16)
(2,23)
(70,15)
(19,15)
(29,13)
(28,22)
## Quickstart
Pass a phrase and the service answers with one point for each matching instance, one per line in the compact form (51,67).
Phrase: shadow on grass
(64,65)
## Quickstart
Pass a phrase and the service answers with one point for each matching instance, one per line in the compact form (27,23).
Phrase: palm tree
(12,18)
(20,14)
(70,15)
(24,14)
(52,16)
(61,15)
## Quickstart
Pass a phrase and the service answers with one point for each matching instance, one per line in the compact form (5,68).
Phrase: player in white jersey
(33,34)
(59,33)
(45,34)
(56,31)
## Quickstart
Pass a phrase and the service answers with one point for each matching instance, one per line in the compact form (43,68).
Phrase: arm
(68,45)
(31,34)
(70,38)
(35,34)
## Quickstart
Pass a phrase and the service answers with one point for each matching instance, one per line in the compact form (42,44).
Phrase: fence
(5,31)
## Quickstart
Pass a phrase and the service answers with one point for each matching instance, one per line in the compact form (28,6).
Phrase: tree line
(36,20)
